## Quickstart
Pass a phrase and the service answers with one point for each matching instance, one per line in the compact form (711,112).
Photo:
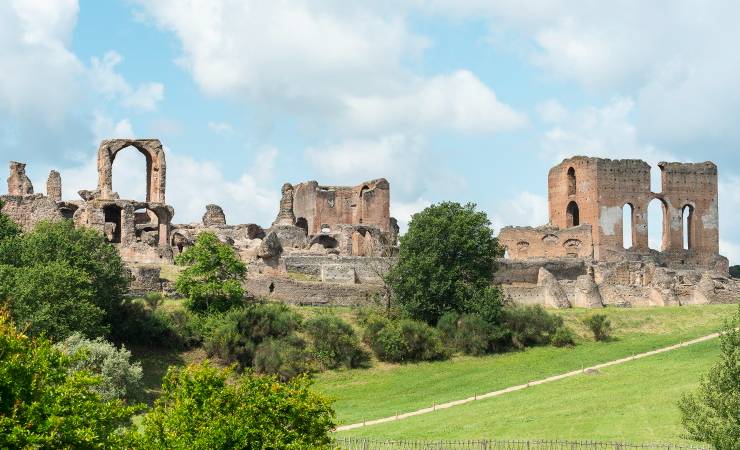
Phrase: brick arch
(155,166)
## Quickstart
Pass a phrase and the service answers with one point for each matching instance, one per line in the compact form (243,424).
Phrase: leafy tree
(58,279)
(45,405)
(201,409)
(119,378)
(212,280)
(712,413)
(735,271)
(446,263)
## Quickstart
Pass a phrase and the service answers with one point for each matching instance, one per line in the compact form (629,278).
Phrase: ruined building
(588,198)
(332,244)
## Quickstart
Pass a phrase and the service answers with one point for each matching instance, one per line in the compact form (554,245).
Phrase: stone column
(54,186)
(285,215)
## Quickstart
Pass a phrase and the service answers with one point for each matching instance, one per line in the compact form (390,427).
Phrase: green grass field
(632,402)
(386,389)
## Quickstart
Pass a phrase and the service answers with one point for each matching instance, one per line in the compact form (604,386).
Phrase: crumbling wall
(54,186)
(214,216)
(28,210)
(546,241)
(18,182)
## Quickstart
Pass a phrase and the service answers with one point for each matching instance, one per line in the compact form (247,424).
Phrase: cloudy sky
(466,100)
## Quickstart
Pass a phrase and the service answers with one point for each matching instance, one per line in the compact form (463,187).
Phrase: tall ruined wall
(547,241)
(596,191)
(315,206)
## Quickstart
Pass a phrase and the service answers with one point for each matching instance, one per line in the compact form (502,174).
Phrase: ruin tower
(285,214)
(214,216)
(54,186)
(18,182)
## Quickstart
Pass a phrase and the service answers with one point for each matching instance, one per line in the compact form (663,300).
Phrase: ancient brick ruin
(588,198)
(331,244)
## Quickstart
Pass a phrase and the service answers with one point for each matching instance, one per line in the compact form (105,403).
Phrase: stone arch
(68,210)
(658,202)
(180,242)
(155,166)
(628,226)
(572,215)
(302,223)
(687,225)
(571,181)
(361,202)
(325,241)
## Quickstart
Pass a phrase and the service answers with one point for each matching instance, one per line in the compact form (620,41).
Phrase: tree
(446,263)
(58,279)
(45,405)
(212,280)
(735,271)
(712,413)
(200,408)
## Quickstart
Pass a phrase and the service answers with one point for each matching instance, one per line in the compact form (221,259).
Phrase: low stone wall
(526,271)
(144,279)
(27,210)
(523,243)
(366,268)
(311,293)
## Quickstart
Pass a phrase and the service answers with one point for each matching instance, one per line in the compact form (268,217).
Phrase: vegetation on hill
(712,413)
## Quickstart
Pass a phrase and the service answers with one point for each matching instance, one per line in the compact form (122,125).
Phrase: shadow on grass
(154,363)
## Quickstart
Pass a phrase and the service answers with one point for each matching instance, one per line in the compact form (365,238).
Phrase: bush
(475,336)
(563,337)
(447,326)
(286,358)
(154,300)
(212,279)
(119,378)
(139,325)
(44,404)
(406,340)
(530,325)
(234,336)
(200,409)
(599,325)
(334,343)
(711,413)
(446,263)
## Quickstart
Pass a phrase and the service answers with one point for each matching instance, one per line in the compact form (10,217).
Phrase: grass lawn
(632,402)
(386,389)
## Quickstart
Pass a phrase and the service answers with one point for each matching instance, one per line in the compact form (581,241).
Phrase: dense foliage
(403,340)
(530,325)
(45,404)
(200,409)
(119,377)
(600,326)
(446,263)
(334,343)
(8,228)
(712,413)
(213,276)
(58,279)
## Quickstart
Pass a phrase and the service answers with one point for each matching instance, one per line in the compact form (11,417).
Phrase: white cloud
(104,127)
(40,76)
(403,211)
(220,127)
(552,111)
(524,209)
(459,101)
(729,217)
(343,63)
(113,85)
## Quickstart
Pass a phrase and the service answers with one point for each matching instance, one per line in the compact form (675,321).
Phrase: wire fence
(376,444)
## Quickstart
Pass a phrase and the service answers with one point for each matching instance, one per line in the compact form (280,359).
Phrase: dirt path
(519,387)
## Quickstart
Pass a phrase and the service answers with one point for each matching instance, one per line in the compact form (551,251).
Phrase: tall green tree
(45,405)
(446,263)
(201,408)
(212,280)
(712,413)
(58,279)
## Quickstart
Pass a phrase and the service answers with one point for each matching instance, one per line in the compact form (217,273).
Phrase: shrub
(447,326)
(530,325)
(44,404)
(475,336)
(234,335)
(286,358)
(563,337)
(711,413)
(119,378)
(599,325)
(446,263)
(154,299)
(139,325)
(407,340)
(212,279)
(200,409)
(334,343)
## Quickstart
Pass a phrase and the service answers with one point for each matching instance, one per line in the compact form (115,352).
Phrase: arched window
(571,181)
(627,227)
(657,224)
(687,219)
(572,216)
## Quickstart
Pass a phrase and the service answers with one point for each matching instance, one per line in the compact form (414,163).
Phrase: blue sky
(467,100)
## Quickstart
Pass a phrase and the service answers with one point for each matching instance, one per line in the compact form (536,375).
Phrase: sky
(462,100)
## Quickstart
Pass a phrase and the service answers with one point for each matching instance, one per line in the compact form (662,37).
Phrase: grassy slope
(386,389)
(633,402)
